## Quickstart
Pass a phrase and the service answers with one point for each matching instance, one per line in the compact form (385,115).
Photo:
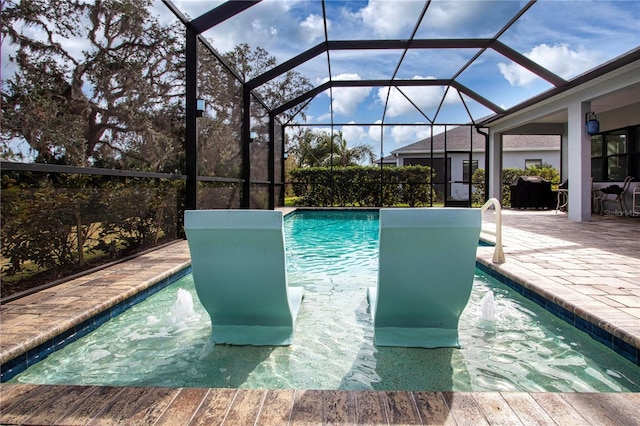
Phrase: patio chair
(426,270)
(239,271)
(617,194)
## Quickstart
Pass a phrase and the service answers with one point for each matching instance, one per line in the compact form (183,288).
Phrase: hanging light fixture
(199,107)
(592,126)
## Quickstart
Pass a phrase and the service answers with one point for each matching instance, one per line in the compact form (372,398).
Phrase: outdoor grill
(532,192)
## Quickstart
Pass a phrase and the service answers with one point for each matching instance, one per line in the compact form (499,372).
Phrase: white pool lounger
(426,269)
(239,269)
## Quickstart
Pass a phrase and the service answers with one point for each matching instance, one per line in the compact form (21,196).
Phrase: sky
(566,37)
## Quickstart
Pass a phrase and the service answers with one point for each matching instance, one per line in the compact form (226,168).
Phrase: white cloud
(274,26)
(346,99)
(321,118)
(459,18)
(391,18)
(559,59)
(408,134)
(374,131)
(312,27)
(425,97)
(355,135)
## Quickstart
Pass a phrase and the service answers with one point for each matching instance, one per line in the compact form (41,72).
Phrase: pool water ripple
(164,340)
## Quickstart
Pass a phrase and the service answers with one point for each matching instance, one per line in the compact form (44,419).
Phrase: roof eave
(616,63)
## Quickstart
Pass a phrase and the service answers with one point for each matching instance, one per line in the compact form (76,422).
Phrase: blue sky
(567,37)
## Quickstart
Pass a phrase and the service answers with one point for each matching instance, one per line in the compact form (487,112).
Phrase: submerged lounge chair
(239,270)
(426,268)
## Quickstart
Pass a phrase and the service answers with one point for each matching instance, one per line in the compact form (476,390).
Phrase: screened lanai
(379,71)
(116,161)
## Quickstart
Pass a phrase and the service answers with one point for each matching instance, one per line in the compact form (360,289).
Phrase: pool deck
(591,270)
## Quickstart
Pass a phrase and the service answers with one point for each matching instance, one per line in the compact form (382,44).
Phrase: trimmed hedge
(362,186)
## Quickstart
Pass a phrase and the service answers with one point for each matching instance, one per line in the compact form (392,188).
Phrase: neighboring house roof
(389,159)
(531,142)
(458,140)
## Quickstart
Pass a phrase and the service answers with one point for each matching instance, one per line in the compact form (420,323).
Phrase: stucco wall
(511,159)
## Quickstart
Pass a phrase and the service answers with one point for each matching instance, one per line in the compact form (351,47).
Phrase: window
(532,163)
(466,173)
(596,157)
(634,157)
(616,155)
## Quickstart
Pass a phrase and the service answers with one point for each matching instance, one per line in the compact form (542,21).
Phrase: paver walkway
(590,268)
(94,405)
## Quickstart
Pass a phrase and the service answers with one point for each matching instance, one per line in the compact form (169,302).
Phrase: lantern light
(199,107)
(592,126)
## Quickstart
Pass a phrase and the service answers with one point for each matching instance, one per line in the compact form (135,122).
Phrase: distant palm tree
(325,149)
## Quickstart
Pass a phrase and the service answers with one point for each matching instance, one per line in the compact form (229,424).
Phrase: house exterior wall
(511,159)
(516,159)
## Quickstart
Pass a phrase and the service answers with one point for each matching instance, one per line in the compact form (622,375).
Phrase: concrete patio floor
(591,270)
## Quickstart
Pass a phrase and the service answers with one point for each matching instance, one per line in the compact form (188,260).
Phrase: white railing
(498,253)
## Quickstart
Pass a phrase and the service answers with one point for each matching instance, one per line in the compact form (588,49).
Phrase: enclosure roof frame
(230,9)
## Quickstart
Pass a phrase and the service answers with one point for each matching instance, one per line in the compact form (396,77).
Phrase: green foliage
(413,191)
(84,214)
(509,176)
(114,102)
(361,186)
(547,172)
(479,188)
(27,234)
(129,225)
(323,149)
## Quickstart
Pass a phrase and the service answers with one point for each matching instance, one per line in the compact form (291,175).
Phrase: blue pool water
(163,341)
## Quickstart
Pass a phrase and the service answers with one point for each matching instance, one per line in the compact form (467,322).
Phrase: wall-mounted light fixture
(253,136)
(199,107)
(592,126)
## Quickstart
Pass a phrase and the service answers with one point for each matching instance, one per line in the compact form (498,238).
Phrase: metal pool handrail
(498,253)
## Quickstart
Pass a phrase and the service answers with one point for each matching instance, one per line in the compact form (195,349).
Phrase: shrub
(51,223)
(362,186)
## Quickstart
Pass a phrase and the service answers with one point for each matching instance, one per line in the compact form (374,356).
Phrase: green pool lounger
(239,270)
(426,269)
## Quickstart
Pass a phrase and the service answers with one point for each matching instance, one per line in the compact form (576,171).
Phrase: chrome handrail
(498,253)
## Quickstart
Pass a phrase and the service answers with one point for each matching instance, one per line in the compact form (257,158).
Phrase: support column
(246,148)
(191,124)
(283,170)
(494,168)
(272,162)
(564,149)
(579,163)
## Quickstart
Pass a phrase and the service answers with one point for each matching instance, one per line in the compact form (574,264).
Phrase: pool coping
(616,339)
(121,286)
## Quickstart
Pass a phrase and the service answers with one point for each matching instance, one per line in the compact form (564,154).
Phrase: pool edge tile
(83,327)
(592,326)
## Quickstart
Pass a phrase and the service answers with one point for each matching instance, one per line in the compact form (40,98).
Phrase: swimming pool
(163,340)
